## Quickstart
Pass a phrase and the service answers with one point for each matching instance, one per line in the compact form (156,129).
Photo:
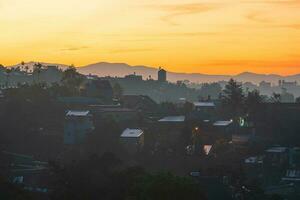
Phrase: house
(294,157)
(241,139)
(168,130)
(204,111)
(276,156)
(172,119)
(204,106)
(139,102)
(123,116)
(222,128)
(253,167)
(25,171)
(132,140)
(292,176)
(98,89)
(77,125)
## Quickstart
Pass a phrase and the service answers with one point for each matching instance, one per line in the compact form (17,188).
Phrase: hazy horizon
(208,37)
(146,66)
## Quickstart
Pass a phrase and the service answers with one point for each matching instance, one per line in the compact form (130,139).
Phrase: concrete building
(77,125)
(287,84)
(162,75)
(132,140)
(204,110)
(265,85)
(276,156)
(133,77)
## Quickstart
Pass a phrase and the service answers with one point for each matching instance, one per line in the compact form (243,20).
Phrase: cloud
(186,34)
(232,62)
(129,50)
(284,2)
(258,17)
(74,48)
(278,2)
(290,26)
(176,10)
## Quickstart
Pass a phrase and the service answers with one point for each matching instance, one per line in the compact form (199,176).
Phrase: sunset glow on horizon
(192,36)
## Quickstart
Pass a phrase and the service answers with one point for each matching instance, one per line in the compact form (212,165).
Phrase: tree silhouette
(276,98)
(37,69)
(233,98)
(8,72)
(72,80)
(253,103)
(118,90)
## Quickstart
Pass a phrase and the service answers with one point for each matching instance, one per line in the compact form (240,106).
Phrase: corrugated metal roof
(222,123)
(78,113)
(204,104)
(173,119)
(276,150)
(132,132)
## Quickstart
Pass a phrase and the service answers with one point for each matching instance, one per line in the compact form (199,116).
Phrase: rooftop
(78,113)
(254,160)
(276,150)
(204,104)
(173,119)
(132,133)
(222,123)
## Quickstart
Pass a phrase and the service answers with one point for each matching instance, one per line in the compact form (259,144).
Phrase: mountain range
(122,69)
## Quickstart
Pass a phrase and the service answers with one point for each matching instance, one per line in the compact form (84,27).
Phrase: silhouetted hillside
(122,69)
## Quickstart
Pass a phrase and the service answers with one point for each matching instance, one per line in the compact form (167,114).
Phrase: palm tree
(37,69)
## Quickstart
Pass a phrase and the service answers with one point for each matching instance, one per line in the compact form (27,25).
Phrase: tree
(72,80)
(9,191)
(275,98)
(233,98)
(37,69)
(165,186)
(8,72)
(26,68)
(253,103)
(210,90)
(168,108)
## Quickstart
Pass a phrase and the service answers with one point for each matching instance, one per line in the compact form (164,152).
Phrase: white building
(172,119)
(132,139)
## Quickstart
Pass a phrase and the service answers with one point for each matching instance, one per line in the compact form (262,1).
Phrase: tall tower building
(162,75)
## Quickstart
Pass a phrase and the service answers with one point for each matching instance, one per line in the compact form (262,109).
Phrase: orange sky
(204,36)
